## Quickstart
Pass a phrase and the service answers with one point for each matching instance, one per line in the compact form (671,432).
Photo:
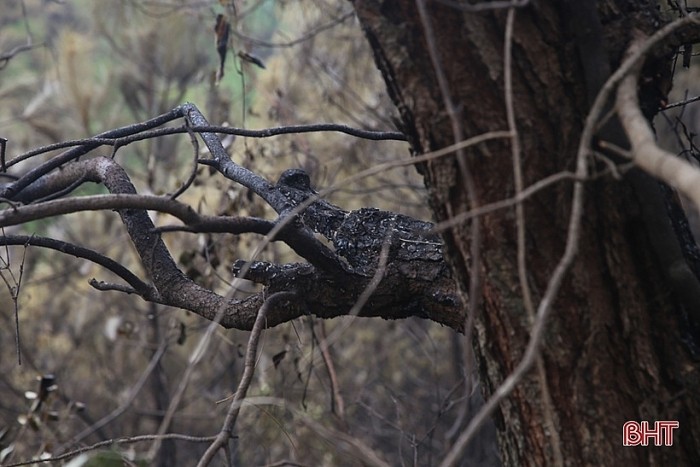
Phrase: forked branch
(417,282)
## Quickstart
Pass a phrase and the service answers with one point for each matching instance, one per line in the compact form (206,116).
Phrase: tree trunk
(619,345)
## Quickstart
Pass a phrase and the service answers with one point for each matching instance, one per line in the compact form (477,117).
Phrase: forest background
(81,366)
(93,66)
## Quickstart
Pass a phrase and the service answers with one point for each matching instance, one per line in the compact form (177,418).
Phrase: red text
(640,433)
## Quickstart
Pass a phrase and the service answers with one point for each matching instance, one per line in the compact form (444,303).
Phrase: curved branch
(98,141)
(417,280)
(229,169)
(197,222)
(248,370)
(140,287)
(11,189)
(298,238)
(5,57)
(175,288)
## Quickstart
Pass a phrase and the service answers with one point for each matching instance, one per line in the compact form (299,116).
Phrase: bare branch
(112,442)
(104,139)
(415,256)
(5,57)
(506,203)
(140,287)
(10,190)
(682,103)
(303,38)
(249,368)
(196,222)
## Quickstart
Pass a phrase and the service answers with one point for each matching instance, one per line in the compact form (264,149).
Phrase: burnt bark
(395,262)
(619,345)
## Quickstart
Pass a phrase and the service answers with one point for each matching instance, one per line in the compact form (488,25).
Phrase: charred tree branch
(415,280)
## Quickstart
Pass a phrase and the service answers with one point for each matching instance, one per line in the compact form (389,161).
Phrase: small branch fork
(417,281)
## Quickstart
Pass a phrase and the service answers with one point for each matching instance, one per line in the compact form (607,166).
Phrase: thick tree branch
(313,250)
(223,163)
(415,280)
(196,222)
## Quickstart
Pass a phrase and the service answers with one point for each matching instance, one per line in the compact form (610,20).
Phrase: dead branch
(417,280)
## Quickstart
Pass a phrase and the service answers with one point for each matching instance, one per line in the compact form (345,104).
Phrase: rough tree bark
(622,343)
(412,279)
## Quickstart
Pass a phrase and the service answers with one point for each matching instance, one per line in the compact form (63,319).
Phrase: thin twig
(5,57)
(249,369)
(195,165)
(116,441)
(547,405)
(15,300)
(105,139)
(11,189)
(453,112)
(303,38)
(139,286)
(126,403)
(505,203)
(680,103)
(338,405)
(13,289)
(517,164)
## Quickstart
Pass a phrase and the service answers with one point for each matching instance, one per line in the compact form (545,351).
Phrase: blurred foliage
(99,65)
